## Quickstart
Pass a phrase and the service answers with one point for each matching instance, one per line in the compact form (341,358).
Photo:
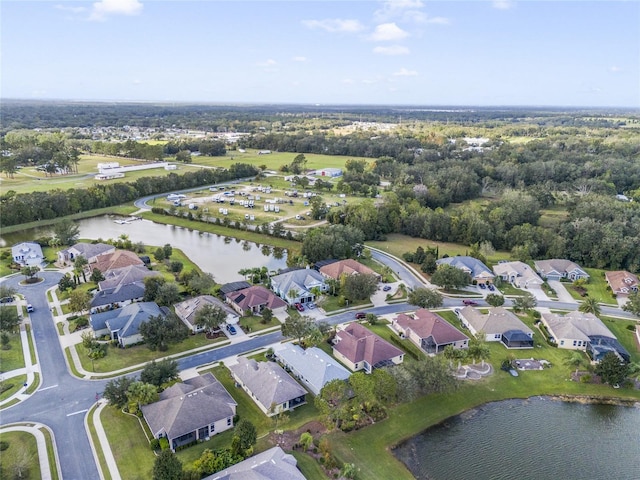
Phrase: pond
(221,256)
(534,439)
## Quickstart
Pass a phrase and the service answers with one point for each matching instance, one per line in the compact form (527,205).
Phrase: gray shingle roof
(268,381)
(126,319)
(185,407)
(472,265)
(496,321)
(314,366)
(426,324)
(121,293)
(90,250)
(187,310)
(272,464)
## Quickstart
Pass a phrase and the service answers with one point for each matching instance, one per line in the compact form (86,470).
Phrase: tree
(9,319)
(140,393)
(332,400)
(590,305)
(385,387)
(267,315)
(167,294)
(201,283)
(425,298)
(79,263)
(450,277)
(495,299)
(612,370)
(430,375)
(478,348)
(79,301)
(297,327)
(524,303)
(575,360)
(7,291)
(158,332)
(96,276)
(176,267)
(67,232)
(115,391)
(158,254)
(359,286)
(210,317)
(167,466)
(158,373)
(152,285)
(167,250)
(633,304)
(29,272)
(247,433)
(306,441)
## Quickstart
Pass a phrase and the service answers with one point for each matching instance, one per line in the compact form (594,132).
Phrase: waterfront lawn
(12,358)
(23,450)
(625,336)
(128,443)
(122,358)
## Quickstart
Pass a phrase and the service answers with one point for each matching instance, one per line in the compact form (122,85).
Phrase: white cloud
(334,25)
(403,72)
(66,8)
(368,81)
(502,4)
(137,81)
(348,81)
(407,10)
(299,59)
(105,8)
(438,20)
(392,50)
(388,32)
(615,69)
(267,63)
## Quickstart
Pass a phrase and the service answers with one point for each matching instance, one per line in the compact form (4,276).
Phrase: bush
(585,378)
(164,443)
(155,444)
(3,445)
(4,386)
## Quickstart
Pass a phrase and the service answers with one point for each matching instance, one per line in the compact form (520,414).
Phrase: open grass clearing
(12,358)
(23,451)
(123,358)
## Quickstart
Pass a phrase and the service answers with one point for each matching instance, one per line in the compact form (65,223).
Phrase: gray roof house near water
(27,254)
(268,385)
(196,409)
(122,324)
(498,325)
(272,464)
(312,366)
(295,286)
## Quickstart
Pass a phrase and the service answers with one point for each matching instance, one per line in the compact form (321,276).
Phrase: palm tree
(590,305)
(449,353)
(575,360)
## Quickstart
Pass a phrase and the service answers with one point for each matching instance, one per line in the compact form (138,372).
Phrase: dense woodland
(429,177)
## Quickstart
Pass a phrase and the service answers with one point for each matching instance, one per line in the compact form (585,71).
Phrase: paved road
(410,279)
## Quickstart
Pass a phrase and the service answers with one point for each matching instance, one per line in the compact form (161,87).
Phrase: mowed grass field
(30,180)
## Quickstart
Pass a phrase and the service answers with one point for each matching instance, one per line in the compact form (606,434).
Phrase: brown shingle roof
(622,281)
(357,343)
(256,296)
(347,267)
(428,324)
(117,259)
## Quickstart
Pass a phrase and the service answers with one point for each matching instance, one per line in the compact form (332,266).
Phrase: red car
(469,302)
(299,307)
(361,315)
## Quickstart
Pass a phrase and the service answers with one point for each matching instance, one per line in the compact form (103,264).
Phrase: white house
(295,286)
(27,254)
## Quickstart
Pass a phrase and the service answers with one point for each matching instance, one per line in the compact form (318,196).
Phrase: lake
(534,439)
(221,256)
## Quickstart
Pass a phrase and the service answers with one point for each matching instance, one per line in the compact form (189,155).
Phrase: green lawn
(16,384)
(330,303)
(625,336)
(382,330)
(23,450)
(254,323)
(128,443)
(12,358)
(309,467)
(119,358)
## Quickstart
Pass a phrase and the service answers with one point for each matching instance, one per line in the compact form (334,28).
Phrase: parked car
(311,305)
(483,286)
(6,300)
(491,287)
(30,308)
(469,302)
(231,329)
(361,315)
(299,306)
(386,288)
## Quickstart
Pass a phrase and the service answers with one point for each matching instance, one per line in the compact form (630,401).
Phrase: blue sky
(405,52)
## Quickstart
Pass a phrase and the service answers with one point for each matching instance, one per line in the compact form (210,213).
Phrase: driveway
(539,294)
(561,291)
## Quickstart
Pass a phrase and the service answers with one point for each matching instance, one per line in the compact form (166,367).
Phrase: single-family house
(90,251)
(498,325)
(478,271)
(268,385)
(115,260)
(583,331)
(296,286)
(188,310)
(519,274)
(272,464)
(622,282)
(557,268)
(122,324)
(348,266)
(253,300)
(27,254)
(361,349)
(195,409)
(122,286)
(429,331)
(312,366)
